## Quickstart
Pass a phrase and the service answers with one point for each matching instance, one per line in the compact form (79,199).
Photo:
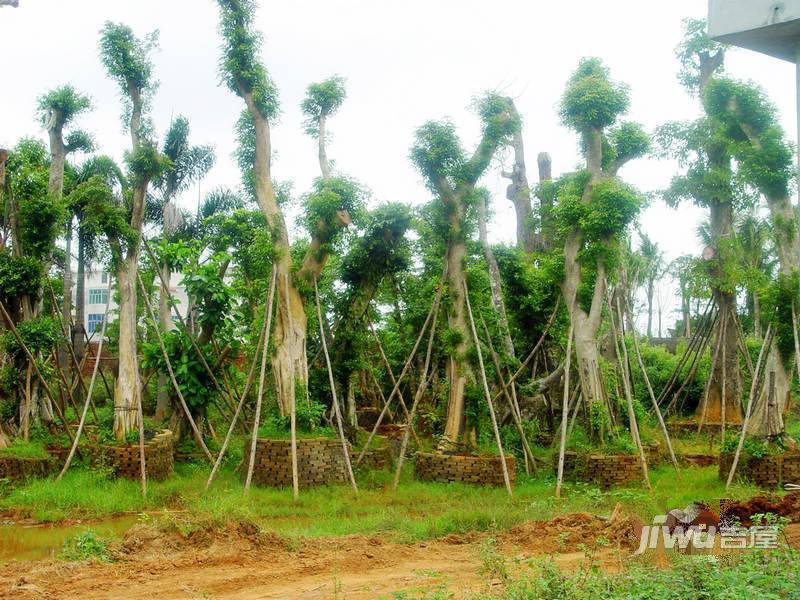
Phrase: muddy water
(37,542)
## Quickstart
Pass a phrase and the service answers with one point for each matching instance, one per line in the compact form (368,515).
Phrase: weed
(85,546)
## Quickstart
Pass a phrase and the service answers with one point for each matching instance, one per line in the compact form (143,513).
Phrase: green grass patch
(19,448)
(85,546)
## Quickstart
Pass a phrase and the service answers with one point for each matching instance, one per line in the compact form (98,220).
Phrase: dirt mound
(566,532)
(148,540)
(788,506)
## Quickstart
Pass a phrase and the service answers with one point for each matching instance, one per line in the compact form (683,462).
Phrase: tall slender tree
(595,207)
(750,125)
(652,265)
(127,61)
(708,180)
(452,176)
(322,101)
(58,109)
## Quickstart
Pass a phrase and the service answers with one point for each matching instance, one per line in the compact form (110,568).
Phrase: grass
(417,511)
(19,448)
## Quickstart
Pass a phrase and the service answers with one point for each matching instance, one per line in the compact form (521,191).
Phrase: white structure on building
(97,294)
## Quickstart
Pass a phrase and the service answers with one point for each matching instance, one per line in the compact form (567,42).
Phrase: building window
(94,322)
(103,277)
(98,296)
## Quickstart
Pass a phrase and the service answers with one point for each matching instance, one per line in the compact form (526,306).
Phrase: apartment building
(97,294)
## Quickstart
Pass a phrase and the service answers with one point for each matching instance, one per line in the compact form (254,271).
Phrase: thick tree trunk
(756,314)
(324,164)
(459,371)
(289,361)
(127,385)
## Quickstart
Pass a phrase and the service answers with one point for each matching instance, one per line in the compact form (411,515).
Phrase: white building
(97,294)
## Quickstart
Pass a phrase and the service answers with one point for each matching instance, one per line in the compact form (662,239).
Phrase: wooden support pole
(488,394)
(749,409)
(516,414)
(336,410)
(661,423)
(263,342)
(626,384)
(293,407)
(422,386)
(175,385)
(564,414)
(403,372)
(261,377)
(91,388)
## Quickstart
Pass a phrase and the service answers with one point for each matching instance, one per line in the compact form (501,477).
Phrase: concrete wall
(764,26)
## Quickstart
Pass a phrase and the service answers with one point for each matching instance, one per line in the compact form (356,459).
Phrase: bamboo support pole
(293,407)
(564,414)
(661,423)
(749,408)
(488,394)
(626,384)
(336,411)
(260,394)
(181,399)
(403,372)
(516,414)
(421,389)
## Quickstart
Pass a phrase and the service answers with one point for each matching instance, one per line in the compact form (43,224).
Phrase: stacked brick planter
(158,458)
(17,468)
(375,458)
(603,470)
(483,470)
(319,462)
(767,471)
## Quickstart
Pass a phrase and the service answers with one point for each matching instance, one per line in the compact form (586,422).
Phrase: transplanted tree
(704,151)
(127,61)
(58,109)
(749,123)
(187,164)
(248,78)
(452,176)
(594,207)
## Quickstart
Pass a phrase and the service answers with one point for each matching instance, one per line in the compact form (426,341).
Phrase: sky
(405,62)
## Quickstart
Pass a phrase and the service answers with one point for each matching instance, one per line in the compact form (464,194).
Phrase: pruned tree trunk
(458,368)
(126,389)
(289,362)
(519,192)
(547,235)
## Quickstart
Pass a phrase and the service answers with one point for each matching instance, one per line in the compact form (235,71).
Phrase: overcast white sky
(405,62)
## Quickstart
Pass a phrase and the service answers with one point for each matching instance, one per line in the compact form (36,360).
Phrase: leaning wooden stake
(293,407)
(530,461)
(488,394)
(403,372)
(661,423)
(564,415)
(749,408)
(263,342)
(176,387)
(796,341)
(259,396)
(626,384)
(91,388)
(420,390)
(337,413)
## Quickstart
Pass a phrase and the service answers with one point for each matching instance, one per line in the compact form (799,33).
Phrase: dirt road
(240,562)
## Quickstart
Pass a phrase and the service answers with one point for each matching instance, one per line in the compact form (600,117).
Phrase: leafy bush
(85,546)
